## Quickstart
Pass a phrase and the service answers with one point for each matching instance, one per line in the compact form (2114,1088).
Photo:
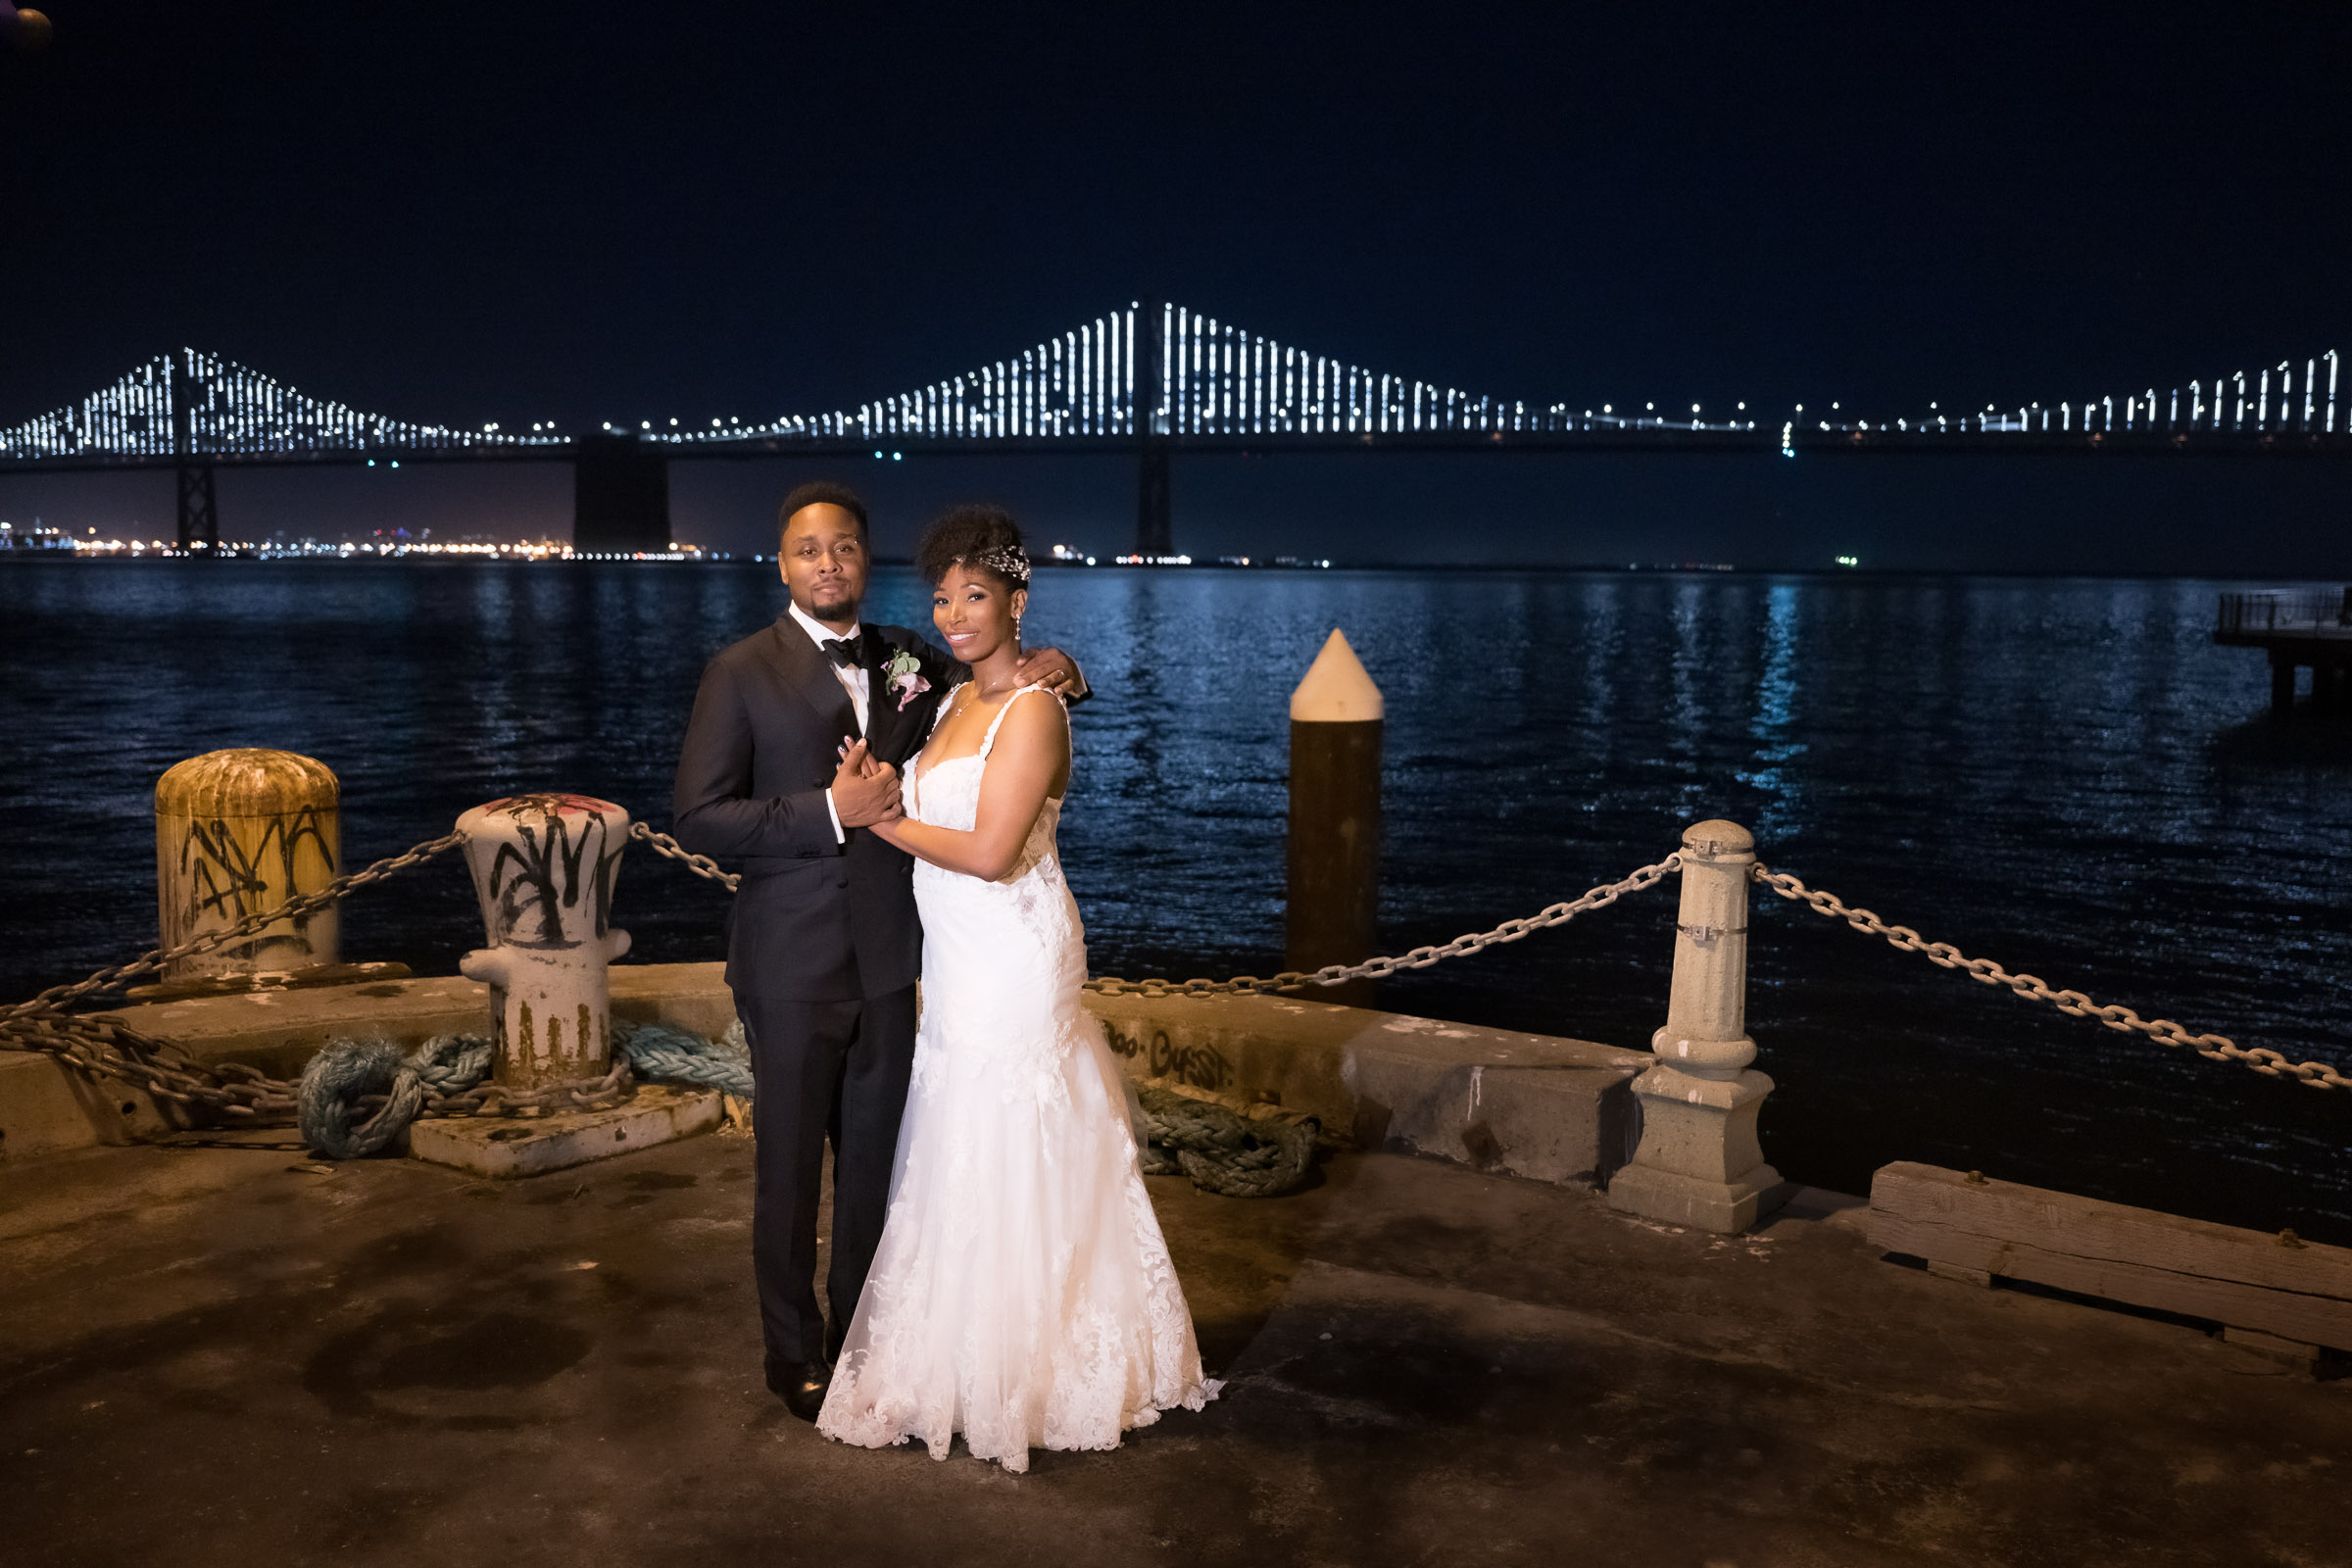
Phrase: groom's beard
(841,605)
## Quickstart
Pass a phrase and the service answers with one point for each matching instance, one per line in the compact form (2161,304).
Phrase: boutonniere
(906,679)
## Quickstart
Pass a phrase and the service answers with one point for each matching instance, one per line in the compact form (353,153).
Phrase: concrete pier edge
(1538,1106)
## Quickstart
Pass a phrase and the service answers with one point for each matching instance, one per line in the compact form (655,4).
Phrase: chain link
(108,1048)
(2217,1048)
(1332,974)
(698,864)
(56,997)
(162,1070)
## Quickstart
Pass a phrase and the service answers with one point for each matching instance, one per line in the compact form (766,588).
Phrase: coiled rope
(358,1096)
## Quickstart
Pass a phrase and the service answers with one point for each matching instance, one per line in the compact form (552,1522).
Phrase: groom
(793,753)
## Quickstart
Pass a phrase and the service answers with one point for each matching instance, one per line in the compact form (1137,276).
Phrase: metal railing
(2305,612)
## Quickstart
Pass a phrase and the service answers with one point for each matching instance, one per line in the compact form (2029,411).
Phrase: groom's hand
(1051,668)
(865,791)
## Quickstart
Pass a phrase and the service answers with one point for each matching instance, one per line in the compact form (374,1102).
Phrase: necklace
(987,691)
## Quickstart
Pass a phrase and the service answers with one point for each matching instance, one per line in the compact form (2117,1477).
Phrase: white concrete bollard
(237,832)
(544,868)
(1699,1162)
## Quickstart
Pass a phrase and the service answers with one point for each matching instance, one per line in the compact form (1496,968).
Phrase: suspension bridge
(1153,381)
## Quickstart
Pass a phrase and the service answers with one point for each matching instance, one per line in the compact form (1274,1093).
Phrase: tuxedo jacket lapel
(810,677)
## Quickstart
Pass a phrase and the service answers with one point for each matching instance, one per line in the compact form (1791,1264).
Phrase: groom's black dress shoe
(801,1385)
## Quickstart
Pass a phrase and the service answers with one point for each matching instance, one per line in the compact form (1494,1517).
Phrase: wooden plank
(2245,1279)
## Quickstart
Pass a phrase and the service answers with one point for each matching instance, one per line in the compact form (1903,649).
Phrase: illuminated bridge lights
(1126,376)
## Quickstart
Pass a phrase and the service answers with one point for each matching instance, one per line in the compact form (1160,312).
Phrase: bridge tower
(1154,520)
(619,495)
(199,511)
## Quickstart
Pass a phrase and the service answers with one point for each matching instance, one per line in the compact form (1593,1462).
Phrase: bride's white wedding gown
(1022,1293)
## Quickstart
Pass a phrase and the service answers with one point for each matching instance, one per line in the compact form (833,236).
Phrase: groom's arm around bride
(791,756)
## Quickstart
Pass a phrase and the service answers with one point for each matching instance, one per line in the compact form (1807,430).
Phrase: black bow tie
(847,652)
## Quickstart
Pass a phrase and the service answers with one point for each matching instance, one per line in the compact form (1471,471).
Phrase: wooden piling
(1337,716)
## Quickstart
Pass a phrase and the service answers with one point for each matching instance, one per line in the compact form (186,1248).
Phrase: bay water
(2065,775)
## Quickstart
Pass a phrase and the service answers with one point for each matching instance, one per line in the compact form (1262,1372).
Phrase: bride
(1022,1294)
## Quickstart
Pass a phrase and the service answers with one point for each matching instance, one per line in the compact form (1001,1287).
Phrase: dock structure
(2309,628)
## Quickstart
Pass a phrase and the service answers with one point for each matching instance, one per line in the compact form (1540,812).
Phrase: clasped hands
(865,789)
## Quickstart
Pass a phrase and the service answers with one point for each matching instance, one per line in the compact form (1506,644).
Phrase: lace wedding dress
(1022,1294)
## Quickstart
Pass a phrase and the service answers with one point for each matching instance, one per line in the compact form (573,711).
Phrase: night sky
(596,211)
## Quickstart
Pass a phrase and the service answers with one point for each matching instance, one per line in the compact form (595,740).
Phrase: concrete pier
(256,1360)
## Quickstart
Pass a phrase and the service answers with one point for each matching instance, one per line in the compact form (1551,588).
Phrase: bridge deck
(1649,439)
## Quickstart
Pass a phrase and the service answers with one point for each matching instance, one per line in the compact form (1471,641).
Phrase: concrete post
(544,868)
(237,832)
(1699,1162)
(1334,894)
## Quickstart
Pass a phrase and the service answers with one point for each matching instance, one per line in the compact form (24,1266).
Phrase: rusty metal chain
(1332,974)
(105,1047)
(2217,1048)
(700,865)
(607,1089)
(56,997)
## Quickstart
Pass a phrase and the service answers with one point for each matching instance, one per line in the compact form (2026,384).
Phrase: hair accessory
(1008,562)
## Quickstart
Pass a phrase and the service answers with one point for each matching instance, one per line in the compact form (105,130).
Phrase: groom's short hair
(823,493)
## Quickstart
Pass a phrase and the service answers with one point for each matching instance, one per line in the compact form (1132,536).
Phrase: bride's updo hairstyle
(979,539)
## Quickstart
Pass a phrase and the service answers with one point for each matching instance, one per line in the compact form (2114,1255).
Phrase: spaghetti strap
(988,741)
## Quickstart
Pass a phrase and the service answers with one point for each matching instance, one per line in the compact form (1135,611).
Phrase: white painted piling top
(1336,690)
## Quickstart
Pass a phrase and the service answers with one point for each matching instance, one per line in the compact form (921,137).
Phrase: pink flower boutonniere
(906,680)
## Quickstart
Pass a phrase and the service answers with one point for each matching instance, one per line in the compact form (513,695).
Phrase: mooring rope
(357,1096)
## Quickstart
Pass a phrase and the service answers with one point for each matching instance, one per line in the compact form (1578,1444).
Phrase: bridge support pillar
(199,511)
(1155,519)
(620,496)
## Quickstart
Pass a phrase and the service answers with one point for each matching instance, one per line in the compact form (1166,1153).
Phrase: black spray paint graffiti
(532,883)
(1201,1066)
(222,877)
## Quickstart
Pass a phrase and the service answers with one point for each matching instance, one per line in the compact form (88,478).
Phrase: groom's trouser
(819,1069)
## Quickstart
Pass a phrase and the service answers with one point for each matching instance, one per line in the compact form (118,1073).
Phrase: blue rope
(671,1055)
(327,1103)
(346,1071)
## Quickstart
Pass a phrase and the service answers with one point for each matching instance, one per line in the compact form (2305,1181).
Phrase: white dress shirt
(857,683)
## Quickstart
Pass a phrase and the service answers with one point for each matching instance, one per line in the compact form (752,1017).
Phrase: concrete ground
(218,1355)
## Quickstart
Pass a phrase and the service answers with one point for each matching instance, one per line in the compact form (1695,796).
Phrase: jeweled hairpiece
(1009,562)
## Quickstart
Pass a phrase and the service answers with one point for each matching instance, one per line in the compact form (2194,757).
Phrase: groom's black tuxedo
(816,920)
(823,947)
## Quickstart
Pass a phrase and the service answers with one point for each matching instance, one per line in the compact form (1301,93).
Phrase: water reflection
(2065,775)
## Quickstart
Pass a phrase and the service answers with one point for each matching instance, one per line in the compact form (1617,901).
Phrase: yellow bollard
(241,831)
